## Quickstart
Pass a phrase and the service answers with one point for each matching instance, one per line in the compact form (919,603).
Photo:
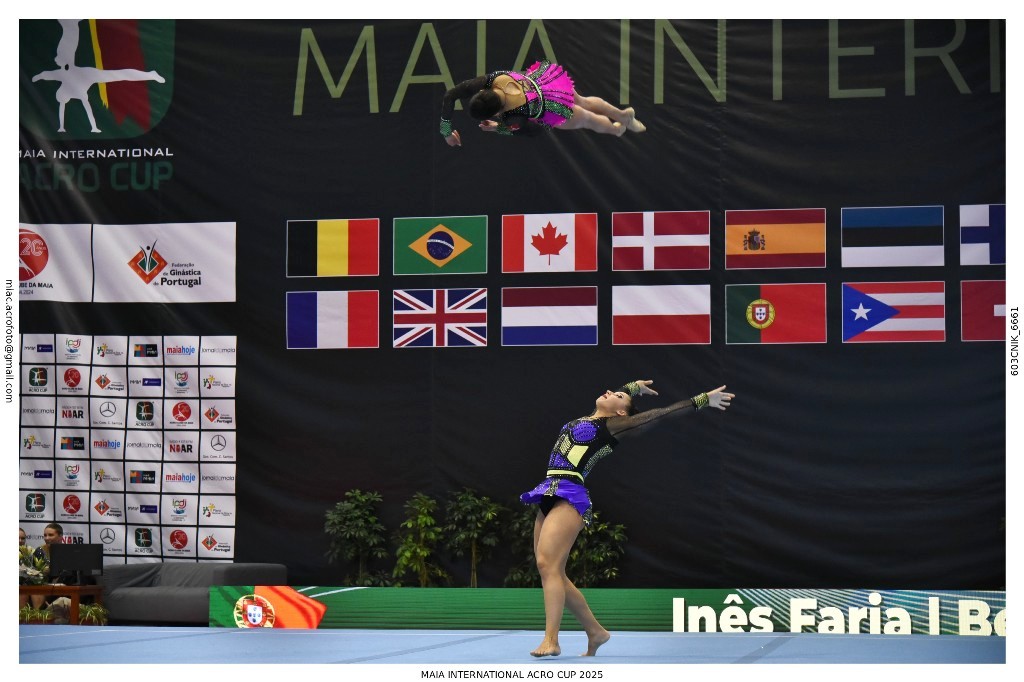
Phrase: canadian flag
(549,242)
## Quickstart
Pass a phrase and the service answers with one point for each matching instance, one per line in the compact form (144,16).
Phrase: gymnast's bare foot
(619,128)
(633,125)
(547,649)
(596,640)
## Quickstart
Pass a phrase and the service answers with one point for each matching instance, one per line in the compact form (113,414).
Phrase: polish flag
(671,314)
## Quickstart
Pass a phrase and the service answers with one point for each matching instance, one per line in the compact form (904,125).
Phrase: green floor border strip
(647,610)
(467,608)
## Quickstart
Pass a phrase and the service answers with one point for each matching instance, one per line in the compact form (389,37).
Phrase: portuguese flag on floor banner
(775,313)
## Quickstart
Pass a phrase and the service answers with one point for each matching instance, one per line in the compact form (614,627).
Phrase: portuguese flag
(775,313)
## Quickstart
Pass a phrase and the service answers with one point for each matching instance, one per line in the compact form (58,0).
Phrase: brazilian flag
(441,246)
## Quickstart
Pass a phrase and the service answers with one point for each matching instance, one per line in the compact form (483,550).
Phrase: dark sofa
(176,592)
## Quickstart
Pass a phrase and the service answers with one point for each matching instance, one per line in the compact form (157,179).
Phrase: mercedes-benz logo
(219,442)
(108,409)
(106,536)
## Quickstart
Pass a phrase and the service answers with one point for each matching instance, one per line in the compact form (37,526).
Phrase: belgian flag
(333,248)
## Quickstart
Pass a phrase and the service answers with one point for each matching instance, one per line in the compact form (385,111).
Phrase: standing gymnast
(509,103)
(564,504)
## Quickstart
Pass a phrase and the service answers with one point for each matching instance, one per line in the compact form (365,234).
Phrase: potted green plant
(594,558)
(92,614)
(417,540)
(34,616)
(473,526)
(32,570)
(355,532)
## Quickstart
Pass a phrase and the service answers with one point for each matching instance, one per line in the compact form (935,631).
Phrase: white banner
(109,350)
(145,350)
(179,509)
(165,263)
(217,446)
(72,379)
(37,348)
(38,411)
(218,350)
(181,447)
(181,478)
(145,382)
(142,477)
(218,478)
(143,541)
(181,350)
(181,382)
(36,505)
(108,477)
(142,508)
(217,382)
(216,543)
(144,414)
(73,412)
(106,444)
(73,349)
(216,510)
(72,507)
(218,414)
(71,443)
(54,262)
(179,542)
(37,379)
(36,474)
(143,446)
(107,412)
(181,414)
(109,534)
(36,442)
(106,507)
(74,474)
(109,382)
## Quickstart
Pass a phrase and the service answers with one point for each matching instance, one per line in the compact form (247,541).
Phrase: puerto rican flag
(438,318)
(880,312)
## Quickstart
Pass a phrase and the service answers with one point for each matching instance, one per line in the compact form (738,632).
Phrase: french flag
(549,242)
(332,319)
(549,316)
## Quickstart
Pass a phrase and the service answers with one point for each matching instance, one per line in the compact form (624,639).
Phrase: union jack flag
(428,318)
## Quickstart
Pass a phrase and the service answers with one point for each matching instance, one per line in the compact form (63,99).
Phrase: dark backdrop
(839,465)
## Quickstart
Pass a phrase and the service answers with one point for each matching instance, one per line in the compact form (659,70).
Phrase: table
(75,592)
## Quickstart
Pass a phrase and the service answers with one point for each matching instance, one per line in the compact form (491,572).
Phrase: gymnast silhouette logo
(119,43)
(147,263)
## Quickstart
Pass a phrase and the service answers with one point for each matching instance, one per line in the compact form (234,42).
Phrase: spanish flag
(333,248)
(776,238)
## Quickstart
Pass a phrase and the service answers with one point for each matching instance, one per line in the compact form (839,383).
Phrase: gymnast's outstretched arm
(461,91)
(628,425)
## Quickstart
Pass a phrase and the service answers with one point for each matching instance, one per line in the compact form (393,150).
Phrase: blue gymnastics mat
(168,645)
